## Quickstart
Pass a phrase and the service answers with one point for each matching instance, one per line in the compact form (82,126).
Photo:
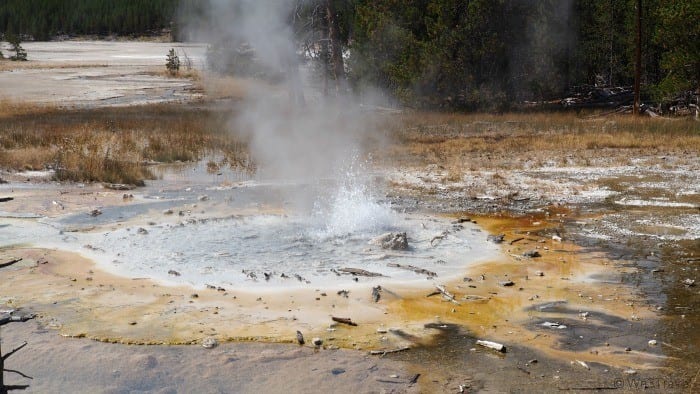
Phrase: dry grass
(192,74)
(477,141)
(113,144)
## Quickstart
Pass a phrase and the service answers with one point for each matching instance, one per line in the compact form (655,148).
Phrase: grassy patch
(461,142)
(114,144)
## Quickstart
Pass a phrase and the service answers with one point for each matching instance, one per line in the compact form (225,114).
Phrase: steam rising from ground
(295,133)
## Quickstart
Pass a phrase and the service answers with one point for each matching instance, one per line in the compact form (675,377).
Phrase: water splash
(354,207)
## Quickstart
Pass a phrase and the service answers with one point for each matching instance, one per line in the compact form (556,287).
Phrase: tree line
(456,54)
(45,19)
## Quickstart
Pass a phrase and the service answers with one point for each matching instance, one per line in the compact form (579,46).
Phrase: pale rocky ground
(98,73)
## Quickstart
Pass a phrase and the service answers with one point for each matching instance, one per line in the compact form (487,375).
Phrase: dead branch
(417,270)
(359,272)
(18,373)
(446,294)
(13,351)
(385,352)
(9,263)
(344,320)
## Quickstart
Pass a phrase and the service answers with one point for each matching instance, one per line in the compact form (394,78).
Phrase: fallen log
(499,347)
(417,270)
(11,317)
(9,263)
(344,320)
(359,272)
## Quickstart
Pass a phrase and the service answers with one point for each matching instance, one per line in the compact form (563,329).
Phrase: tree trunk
(638,62)
(336,48)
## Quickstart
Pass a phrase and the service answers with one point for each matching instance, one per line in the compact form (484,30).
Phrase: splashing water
(353,208)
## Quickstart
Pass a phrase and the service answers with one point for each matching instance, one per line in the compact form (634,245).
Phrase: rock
(209,343)
(506,283)
(393,241)
(497,239)
(337,371)
(539,273)
(689,282)
(95,212)
(532,253)
(652,342)
(173,273)
(300,338)
(168,212)
(317,342)
(142,230)
(203,198)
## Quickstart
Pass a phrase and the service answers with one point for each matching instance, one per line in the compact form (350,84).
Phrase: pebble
(652,342)
(317,342)
(210,343)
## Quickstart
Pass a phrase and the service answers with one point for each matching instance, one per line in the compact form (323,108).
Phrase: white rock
(210,343)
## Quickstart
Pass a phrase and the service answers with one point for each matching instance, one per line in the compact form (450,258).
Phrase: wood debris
(344,320)
(359,272)
(376,293)
(499,347)
(446,294)
(417,270)
(384,352)
(9,263)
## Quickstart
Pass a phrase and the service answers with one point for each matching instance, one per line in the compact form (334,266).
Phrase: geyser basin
(235,238)
(275,250)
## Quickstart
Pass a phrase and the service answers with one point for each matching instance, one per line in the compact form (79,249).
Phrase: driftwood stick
(417,270)
(9,263)
(383,352)
(6,199)
(446,294)
(359,272)
(344,320)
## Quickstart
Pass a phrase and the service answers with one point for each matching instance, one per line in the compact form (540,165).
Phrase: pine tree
(20,53)
(173,62)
